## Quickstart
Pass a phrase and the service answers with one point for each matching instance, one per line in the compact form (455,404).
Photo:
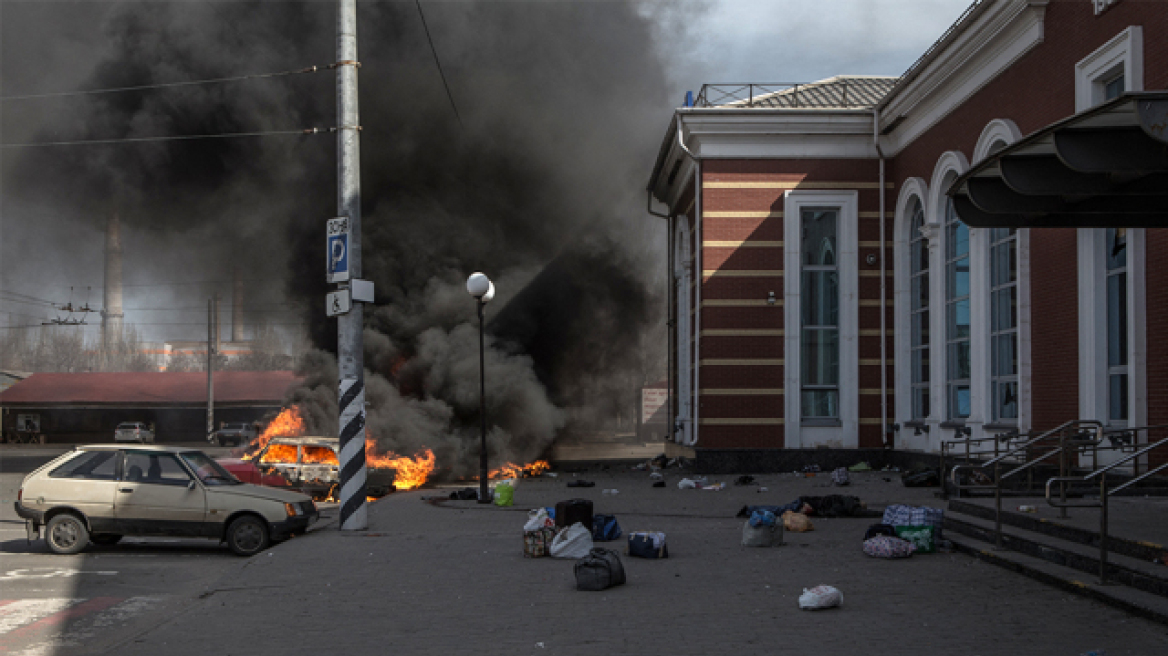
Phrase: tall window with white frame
(819,310)
(1004,324)
(957,338)
(1117,322)
(919,310)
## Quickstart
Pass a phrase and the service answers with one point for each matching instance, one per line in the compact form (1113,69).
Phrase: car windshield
(208,471)
(126,425)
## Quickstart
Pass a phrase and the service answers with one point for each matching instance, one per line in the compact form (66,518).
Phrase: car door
(87,483)
(158,496)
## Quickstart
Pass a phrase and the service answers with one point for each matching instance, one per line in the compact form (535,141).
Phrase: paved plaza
(450,578)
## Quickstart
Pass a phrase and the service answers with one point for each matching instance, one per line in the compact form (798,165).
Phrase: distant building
(86,407)
(967,249)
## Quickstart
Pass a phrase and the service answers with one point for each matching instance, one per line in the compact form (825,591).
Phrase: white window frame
(1124,53)
(910,189)
(846,434)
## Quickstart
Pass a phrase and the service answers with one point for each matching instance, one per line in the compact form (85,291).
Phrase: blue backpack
(605,528)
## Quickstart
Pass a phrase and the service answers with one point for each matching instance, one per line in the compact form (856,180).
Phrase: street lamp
(481,287)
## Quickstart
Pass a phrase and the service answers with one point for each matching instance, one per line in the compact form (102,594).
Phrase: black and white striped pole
(347,255)
(481,287)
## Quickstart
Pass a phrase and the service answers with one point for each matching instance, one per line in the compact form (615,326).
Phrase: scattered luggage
(840,477)
(648,545)
(599,570)
(537,519)
(762,534)
(574,511)
(505,494)
(921,537)
(884,546)
(836,505)
(901,515)
(572,542)
(820,597)
(797,522)
(537,543)
(605,528)
(880,529)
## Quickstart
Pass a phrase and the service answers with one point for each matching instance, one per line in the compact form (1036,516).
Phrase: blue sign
(338,249)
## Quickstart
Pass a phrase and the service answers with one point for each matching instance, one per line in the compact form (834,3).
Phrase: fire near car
(100,493)
(233,434)
(134,431)
(311,464)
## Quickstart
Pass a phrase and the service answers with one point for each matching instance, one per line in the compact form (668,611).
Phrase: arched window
(919,310)
(957,316)
(820,315)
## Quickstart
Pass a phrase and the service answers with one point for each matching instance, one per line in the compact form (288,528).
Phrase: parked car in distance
(134,431)
(233,434)
(100,493)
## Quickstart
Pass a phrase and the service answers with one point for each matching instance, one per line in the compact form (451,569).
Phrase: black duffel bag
(599,570)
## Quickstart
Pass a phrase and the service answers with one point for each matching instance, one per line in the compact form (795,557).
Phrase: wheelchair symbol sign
(338,302)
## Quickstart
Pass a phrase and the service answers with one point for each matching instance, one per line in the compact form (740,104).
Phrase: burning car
(312,465)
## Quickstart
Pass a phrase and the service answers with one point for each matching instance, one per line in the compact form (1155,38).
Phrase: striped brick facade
(1010,63)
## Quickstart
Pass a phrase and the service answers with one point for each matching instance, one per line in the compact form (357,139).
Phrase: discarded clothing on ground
(883,546)
(599,570)
(581,483)
(860,467)
(837,505)
(467,494)
(795,506)
(840,477)
(745,479)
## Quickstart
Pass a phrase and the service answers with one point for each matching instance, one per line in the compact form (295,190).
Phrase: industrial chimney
(237,307)
(111,311)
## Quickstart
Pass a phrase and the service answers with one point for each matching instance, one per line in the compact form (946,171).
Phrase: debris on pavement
(840,477)
(797,522)
(659,484)
(820,597)
(884,546)
(860,467)
(581,483)
(691,483)
(745,479)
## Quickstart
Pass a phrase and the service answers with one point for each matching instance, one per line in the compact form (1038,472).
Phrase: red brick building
(828,292)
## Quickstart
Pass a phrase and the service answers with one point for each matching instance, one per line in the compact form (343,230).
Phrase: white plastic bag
(820,597)
(537,519)
(572,542)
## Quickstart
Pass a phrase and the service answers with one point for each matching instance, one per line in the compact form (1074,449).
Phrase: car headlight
(292,509)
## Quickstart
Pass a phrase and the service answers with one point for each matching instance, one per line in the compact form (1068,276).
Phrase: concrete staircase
(1066,555)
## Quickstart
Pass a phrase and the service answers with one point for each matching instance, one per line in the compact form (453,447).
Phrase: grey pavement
(451,579)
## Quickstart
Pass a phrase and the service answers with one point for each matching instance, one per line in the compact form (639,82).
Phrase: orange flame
(512,470)
(411,472)
(288,423)
(282,453)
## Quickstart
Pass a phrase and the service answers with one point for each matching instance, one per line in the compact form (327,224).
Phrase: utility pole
(210,367)
(350,360)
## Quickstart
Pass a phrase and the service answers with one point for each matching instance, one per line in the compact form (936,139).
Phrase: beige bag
(796,522)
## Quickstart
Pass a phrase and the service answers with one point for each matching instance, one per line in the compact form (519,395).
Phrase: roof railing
(794,95)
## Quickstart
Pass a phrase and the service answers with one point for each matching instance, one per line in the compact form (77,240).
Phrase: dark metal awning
(1104,167)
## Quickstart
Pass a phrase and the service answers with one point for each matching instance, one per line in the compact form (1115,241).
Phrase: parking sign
(338,249)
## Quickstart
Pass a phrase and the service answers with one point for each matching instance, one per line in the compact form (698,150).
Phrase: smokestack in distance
(111,311)
(237,307)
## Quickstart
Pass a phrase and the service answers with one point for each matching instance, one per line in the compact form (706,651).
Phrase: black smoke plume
(562,107)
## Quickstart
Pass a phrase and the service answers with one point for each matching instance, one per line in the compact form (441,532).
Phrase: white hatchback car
(100,493)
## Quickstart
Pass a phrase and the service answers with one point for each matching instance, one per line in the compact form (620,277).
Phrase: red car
(246,471)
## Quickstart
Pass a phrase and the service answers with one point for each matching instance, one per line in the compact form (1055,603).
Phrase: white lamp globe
(478,284)
(490,292)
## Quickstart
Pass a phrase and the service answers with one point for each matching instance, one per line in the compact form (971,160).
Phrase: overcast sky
(701,41)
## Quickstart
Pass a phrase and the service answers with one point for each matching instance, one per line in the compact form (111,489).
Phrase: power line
(439,63)
(187,137)
(167,85)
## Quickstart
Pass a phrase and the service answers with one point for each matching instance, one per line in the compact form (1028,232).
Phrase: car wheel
(105,539)
(248,536)
(66,534)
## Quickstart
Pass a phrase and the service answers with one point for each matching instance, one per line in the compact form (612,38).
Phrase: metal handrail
(1027,463)
(1104,492)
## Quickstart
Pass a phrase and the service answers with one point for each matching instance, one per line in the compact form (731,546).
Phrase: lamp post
(481,287)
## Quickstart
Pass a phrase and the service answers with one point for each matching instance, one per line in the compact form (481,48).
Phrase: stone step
(1142,575)
(1136,602)
(1141,550)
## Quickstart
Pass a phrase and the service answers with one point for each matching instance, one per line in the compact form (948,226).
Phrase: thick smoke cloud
(562,106)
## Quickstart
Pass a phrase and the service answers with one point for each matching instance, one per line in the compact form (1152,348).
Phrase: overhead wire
(187,137)
(168,85)
(439,63)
